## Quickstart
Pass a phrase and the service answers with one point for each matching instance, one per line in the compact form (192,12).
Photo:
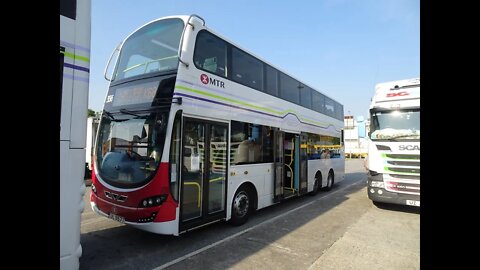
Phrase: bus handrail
(183,34)
(199,190)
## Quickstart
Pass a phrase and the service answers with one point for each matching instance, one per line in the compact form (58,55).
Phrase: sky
(340,47)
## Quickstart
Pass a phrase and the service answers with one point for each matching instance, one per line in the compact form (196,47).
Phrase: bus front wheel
(241,206)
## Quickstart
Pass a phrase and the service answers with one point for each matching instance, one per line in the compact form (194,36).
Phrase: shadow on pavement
(398,207)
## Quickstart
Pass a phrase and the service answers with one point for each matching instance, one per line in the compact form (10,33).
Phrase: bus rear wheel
(330,182)
(241,206)
(316,184)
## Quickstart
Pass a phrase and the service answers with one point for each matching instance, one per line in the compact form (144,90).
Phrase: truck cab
(393,161)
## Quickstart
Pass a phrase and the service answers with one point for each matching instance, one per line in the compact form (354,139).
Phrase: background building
(356,145)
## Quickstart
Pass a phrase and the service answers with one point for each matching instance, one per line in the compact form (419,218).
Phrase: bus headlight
(377,184)
(153,201)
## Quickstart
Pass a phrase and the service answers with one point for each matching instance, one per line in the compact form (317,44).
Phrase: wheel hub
(241,204)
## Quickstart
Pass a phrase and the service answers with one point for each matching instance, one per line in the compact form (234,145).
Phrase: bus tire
(241,206)
(316,184)
(330,181)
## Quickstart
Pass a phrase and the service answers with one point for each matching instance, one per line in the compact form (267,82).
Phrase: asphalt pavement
(343,230)
(339,229)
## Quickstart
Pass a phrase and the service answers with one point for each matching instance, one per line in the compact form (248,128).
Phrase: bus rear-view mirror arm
(183,34)
(117,49)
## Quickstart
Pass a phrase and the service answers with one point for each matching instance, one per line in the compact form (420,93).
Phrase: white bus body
(74,79)
(393,160)
(252,136)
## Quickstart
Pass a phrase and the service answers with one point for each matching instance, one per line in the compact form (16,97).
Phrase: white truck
(393,160)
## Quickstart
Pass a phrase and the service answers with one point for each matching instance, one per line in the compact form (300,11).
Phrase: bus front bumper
(166,228)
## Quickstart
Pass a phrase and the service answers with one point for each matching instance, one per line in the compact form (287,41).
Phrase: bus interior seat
(210,64)
(247,152)
(242,152)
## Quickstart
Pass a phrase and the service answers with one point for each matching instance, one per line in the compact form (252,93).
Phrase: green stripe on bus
(76,57)
(225,99)
(282,113)
(314,122)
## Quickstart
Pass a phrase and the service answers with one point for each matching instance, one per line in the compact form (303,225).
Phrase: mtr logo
(399,94)
(205,80)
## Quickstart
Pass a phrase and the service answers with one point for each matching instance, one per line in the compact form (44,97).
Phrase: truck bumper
(376,192)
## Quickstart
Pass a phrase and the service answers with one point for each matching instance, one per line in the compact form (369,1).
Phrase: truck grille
(404,163)
(403,170)
(402,156)
(403,176)
(401,187)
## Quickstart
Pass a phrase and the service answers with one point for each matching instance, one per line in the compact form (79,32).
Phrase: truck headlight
(377,184)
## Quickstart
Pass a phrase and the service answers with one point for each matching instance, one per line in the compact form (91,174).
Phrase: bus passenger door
(303,164)
(204,172)
(278,157)
(296,170)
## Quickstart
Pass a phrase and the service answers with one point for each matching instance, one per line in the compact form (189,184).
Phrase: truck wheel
(380,205)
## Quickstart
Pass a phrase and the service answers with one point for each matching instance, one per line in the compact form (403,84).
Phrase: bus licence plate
(117,218)
(413,203)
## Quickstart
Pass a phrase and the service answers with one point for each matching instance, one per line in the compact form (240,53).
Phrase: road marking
(193,253)
(282,248)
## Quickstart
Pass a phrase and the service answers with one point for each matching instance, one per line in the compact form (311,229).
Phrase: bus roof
(185,18)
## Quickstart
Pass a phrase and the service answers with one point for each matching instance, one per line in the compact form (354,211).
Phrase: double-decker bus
(74,78)
(196,129)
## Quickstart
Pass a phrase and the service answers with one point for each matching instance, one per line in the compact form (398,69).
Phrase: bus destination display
(143,93)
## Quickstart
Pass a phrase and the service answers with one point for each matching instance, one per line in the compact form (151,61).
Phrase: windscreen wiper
(151,109)
(125,111)
(109,114)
